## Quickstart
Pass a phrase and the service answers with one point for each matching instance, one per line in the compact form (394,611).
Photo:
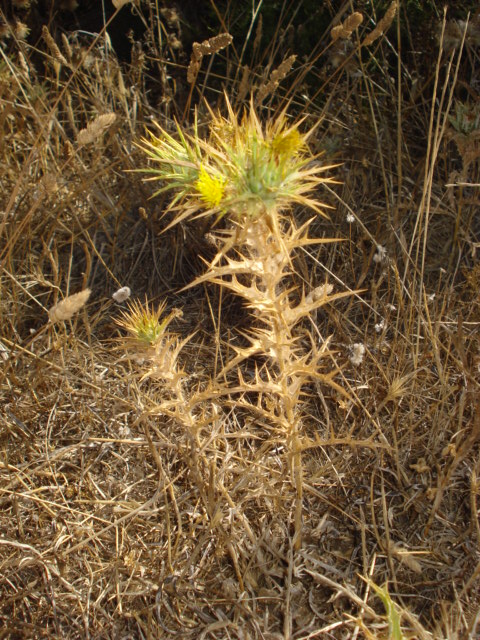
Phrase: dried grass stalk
(205,48)
(345,29)
(382,26)
(192,71)
(118,4)
(68,307)
(244,84)
(67,47)
(48,185)
(95,129)
(23,64)
(258,33)
(212,45)
(68,151)
(276,77)
(52,45)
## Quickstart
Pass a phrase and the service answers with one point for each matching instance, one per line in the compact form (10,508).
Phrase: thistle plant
(150,341)
(252,175)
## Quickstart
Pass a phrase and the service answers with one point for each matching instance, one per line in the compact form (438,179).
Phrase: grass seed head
(68,307)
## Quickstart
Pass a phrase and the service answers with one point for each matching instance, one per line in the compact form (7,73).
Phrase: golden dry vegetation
(228,414)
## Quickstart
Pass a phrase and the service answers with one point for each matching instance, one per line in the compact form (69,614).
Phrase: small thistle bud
(145,323)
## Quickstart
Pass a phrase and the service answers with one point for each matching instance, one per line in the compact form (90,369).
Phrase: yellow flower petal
(211,189)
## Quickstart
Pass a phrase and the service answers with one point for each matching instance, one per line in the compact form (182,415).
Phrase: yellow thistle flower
(211,189)
(287,143)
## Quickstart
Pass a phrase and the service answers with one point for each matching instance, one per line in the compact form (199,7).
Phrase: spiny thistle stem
(150,341)
(274,260)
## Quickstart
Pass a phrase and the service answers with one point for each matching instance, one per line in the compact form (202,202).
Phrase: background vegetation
(114,521)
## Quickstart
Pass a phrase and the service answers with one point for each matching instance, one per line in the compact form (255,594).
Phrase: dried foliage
(156,488)
(118,4)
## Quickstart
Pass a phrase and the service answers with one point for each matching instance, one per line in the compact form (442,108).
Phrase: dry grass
(116,520)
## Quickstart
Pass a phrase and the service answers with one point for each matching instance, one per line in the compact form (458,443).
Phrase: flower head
(247,168)
(287,144)
(210,188)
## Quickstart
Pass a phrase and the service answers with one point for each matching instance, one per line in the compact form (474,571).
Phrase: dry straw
(67,47)
(68,307)
(118,4)
(345,29)
(382,26)
(95,129)
(258,34)
(244,84)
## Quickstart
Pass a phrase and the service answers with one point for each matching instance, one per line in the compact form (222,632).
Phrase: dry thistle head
(244,170)
(149,341)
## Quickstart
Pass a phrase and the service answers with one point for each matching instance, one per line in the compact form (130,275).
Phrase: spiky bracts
(242,169)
